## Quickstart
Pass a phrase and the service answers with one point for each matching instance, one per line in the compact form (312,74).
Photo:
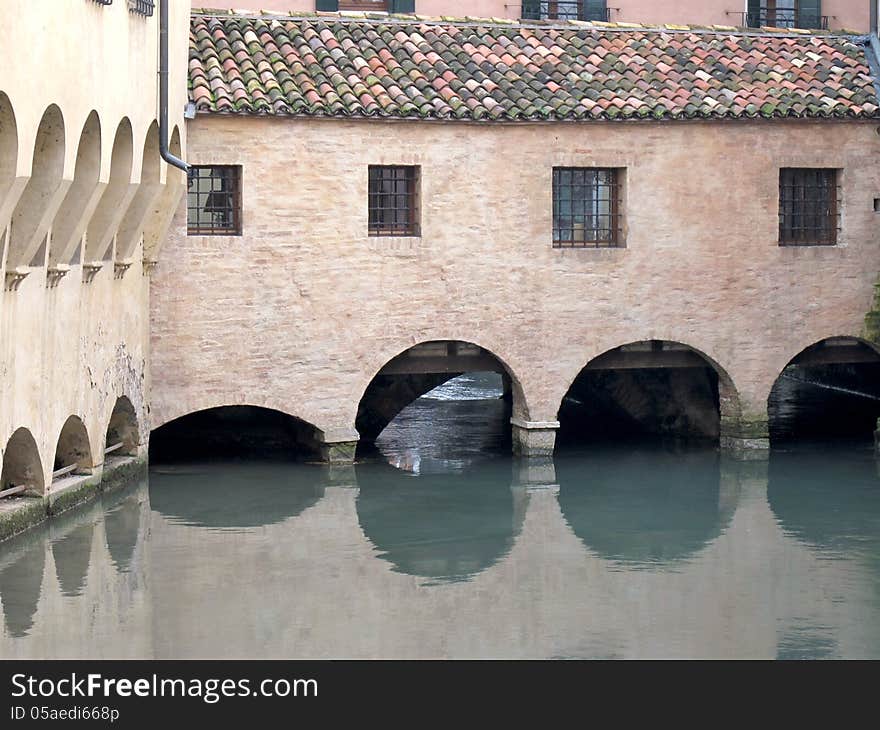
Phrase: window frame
(235,229)
(790,235)
(412,177)
(615,214)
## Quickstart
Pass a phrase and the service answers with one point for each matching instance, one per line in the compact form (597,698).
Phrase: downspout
(163,90)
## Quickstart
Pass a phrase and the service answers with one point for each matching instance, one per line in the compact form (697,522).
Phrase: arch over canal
(418,370)
(830,389)
(649,389)
(123,432)
(234,430)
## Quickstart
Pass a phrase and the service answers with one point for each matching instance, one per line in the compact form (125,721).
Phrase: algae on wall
(872,318)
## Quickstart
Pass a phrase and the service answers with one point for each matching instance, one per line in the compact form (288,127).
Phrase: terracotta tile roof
(330,65)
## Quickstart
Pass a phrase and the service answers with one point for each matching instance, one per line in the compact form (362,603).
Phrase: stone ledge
(21,513)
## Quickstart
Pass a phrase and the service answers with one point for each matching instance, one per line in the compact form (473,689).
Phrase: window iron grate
(809,214)
(586,207)
(214,200)
(393,201)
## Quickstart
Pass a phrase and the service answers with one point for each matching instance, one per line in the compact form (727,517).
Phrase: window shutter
(531,10)
(403,6)
(595,10)
(331,5)
(809,14)
(753,19)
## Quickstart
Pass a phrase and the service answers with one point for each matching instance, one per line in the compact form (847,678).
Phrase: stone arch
(82,197)
(43,194)
(134,221)
(115,198)
(654,354)
(233,430)
(165,205)
(73,447)
(11,185)
(123,431)
(438,366)
(829,387)
(22,466)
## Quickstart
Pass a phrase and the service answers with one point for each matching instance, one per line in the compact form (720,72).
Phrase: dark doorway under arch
(233,432)
(831,390)
(644,391)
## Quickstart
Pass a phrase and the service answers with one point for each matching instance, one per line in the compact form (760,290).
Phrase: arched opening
(831,390)
(42,195)
(114,201)
(123,434)
(646,391)
(438,405)
(439,527)
(8,166)
(132,226)
(81,198)
(233,432)
(22,468)
(165,205)
(73,454)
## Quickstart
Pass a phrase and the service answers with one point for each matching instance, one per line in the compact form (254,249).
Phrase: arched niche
(42,195)
(21,463)
(11,186)
(165,205)
(82,198)
(123,433)
(73,448)
(134,221)
(108,214)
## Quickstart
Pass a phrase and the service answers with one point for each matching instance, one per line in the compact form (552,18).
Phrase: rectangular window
(585,207)
(214,200)
(393,200)
(786,14)
(564,10)
(807,207)
(141,7)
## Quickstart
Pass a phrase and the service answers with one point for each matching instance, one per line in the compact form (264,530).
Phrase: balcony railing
(564,10)
(781,18)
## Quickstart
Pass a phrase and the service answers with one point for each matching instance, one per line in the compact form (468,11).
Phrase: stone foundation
(745,438)
(534,438)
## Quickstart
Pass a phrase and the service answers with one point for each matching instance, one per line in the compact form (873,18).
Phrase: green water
(441,545)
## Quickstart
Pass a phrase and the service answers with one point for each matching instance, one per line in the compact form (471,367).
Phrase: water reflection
(600,554)
(233,495)
(831,504)
(440,526)
(646,508)
(21,579)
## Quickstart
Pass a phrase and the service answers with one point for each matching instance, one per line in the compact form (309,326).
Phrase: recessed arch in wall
(134,221)
(115,199)
(21,463)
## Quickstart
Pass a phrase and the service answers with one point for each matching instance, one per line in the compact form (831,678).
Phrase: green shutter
(595,10)
(331,5)
(753,17)
(809,14)
(531,10)
(403,6)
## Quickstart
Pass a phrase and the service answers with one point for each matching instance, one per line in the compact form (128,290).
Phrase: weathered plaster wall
(300,312)
(70,346)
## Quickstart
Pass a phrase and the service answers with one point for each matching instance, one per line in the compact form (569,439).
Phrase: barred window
(564,10)
(808,209)
(214,200)
(393,200)
(585,207)
(141,7)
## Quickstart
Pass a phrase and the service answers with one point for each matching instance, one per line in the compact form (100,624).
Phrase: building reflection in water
(598,555)
(644,508)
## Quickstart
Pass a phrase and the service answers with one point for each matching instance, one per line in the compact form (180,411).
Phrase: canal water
(439,544)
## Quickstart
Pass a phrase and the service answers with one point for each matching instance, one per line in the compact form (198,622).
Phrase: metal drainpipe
(163,90)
